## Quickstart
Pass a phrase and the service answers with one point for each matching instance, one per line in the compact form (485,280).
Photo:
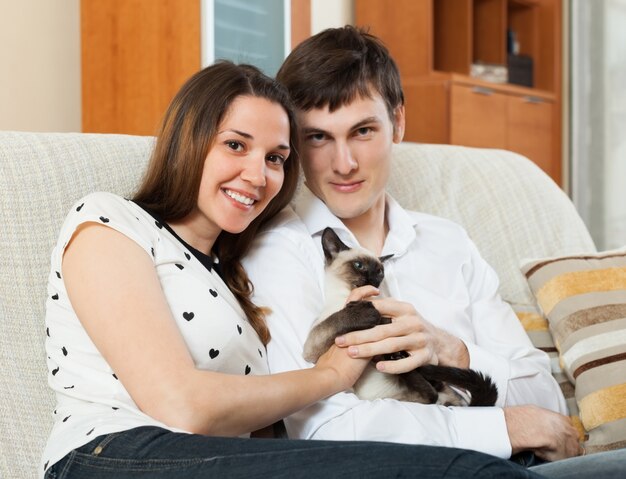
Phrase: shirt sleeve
(502,348)
(285,270)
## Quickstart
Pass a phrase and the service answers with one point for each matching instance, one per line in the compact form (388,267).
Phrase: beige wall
(40,65)
(40,60)
(330,13)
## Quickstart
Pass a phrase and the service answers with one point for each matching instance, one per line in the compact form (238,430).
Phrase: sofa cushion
(499,197)
(42,175)
(583,298)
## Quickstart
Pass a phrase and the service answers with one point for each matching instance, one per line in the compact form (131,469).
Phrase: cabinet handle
(532,99)
(481,90)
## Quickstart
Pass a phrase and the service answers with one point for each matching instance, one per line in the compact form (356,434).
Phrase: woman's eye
(276,159)
(234,145)
(358,265)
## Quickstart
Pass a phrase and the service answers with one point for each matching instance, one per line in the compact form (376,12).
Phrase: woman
(155,351)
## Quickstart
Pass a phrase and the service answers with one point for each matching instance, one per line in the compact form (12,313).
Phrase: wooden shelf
(435,43)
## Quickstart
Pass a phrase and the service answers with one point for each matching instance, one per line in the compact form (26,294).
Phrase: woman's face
(243,170)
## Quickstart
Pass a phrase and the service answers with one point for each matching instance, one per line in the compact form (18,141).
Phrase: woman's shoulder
(114,211)
(102,201)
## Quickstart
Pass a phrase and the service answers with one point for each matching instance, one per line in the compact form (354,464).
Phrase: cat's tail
(480,386)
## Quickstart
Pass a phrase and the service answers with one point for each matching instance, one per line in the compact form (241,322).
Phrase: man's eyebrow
(308,130)
(365,121)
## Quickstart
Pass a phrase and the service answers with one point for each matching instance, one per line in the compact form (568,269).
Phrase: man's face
(346,154)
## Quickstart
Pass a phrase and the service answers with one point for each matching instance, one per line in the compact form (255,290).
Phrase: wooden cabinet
(529,130)
(435,43)
(136,54)
(476,116)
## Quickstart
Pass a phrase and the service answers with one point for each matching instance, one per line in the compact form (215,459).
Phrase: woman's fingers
(362,293)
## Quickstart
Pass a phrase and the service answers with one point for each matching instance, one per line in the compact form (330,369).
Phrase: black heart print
(65,419)
(239,329)
(80,207)
(180,266)
(158,225)
(64,351)
(187,255)
(55,296)
(115,376)
(90,431)
(104,219)
(213,293)
(55,371)
(213,353)
(58,274)
(48,332)
(247,369)
(260,353)
(188,316)
(152,251)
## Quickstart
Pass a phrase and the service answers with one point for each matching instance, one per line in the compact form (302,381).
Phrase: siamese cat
(348,268)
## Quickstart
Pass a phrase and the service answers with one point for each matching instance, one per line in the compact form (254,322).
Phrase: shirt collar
(316,216)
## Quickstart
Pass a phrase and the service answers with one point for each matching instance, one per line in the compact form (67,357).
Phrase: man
(445,306)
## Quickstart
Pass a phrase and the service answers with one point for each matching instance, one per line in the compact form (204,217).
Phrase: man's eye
(316,137)
(234,145)
(358,265)
(364,130)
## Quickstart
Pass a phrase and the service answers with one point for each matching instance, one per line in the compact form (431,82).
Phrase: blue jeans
(601,465)
(151,452)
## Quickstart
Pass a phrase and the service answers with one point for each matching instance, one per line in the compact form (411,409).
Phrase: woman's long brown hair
(171,185)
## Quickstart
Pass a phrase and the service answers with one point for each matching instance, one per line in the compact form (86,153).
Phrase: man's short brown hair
(336,65)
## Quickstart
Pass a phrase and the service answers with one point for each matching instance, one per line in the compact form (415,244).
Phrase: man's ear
(399,122)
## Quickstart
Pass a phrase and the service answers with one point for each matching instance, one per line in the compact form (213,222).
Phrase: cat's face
(358,268)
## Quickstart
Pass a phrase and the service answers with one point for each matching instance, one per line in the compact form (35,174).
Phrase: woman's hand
(408,331)
(346,368)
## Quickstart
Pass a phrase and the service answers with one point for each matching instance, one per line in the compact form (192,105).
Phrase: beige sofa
(510,208)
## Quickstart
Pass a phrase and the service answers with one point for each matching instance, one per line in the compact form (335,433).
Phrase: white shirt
(436,268)
(90,399)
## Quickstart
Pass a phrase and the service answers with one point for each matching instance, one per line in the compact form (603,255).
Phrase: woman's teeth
(244,200)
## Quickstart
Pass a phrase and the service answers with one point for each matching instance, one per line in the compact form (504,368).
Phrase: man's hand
(408,331)
(548,434)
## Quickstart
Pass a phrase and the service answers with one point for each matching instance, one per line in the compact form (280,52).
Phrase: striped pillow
(584,299)
(537,328)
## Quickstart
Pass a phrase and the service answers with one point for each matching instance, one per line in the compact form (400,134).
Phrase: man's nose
(343,161)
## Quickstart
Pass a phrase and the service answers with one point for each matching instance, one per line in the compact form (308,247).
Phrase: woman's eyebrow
(241,133)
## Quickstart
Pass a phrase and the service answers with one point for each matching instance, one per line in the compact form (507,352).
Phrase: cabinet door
(530,131)
(477,117)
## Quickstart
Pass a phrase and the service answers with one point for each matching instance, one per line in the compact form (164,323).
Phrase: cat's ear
(331,244)
(382,259)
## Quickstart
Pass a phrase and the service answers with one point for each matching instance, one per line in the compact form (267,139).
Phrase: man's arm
(287,272)
(502,347)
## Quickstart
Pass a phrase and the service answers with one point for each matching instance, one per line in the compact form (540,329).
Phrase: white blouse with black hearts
(90,399)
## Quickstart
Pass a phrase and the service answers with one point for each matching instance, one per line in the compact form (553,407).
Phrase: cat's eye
(357,265)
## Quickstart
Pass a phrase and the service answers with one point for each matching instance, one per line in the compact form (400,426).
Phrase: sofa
(510,208)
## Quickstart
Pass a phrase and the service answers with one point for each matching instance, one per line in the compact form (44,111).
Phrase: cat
(349,268)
